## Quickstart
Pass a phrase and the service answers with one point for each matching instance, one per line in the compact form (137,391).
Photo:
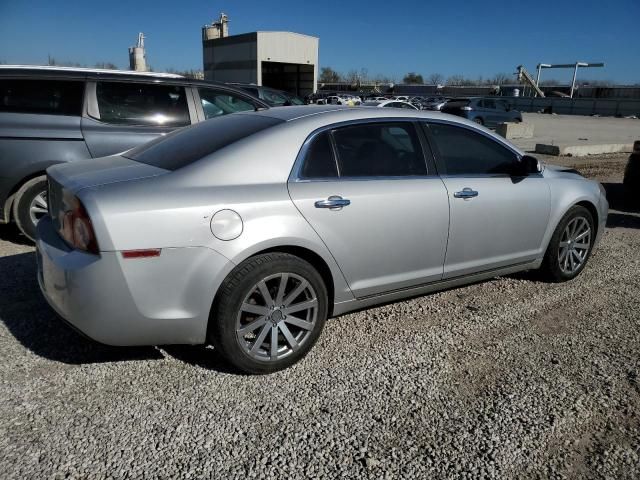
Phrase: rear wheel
(30,205)
(570,245)
(269,313)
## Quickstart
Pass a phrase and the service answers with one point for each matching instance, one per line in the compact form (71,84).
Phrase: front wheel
(30,205)
(269,312)
(570,245)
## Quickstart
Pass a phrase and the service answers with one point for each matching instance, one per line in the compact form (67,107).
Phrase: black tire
(551,267)
(241,288)
(22,204)
(479,121)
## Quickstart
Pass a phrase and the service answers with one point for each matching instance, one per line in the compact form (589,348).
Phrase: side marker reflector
(152,252)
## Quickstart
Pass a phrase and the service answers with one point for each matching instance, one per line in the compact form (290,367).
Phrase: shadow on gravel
(37,327)
(10,233)
(200,356)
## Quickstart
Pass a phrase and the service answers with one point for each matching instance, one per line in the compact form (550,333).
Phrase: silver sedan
(250,230)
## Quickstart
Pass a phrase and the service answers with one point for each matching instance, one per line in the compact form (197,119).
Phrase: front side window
(274,99)
(216,103)
(465,152)
(379,149)
(502,105)
(142,104)
(49,97)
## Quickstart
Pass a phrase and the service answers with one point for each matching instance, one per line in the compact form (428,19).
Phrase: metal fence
(578,106)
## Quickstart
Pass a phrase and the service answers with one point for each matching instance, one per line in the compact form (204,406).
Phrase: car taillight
(466,108)
(77,229)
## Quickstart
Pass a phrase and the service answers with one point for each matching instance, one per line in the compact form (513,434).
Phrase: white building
(283,60)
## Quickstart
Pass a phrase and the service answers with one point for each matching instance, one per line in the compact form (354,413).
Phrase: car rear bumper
(117,301)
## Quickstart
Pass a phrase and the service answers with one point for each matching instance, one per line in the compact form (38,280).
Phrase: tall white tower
(137,55)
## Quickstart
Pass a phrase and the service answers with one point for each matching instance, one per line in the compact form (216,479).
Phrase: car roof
(336,113)
(46,71)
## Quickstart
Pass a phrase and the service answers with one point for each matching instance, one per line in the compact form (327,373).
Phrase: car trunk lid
(101,171)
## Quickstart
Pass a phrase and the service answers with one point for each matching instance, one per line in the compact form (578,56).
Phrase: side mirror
(527,166)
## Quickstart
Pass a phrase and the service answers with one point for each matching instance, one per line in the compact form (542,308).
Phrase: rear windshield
(187,145)
(51,97)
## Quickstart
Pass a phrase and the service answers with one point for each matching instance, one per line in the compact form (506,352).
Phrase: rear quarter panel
(158,213)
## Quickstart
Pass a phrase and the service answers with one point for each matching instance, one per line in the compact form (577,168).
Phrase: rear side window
(142,104)
(465,152)
(219,102)
(379,149)
(319,161)
(489,103)
(188,145)
(50,97)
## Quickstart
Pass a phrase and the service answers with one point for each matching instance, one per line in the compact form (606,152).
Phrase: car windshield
(187,145)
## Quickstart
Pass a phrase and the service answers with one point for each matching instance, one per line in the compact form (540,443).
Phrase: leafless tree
(435,79)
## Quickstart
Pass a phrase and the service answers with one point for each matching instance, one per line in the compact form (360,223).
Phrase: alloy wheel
(276,317)
(38,207)
(574,245)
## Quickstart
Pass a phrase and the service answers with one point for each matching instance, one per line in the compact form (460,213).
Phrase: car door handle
(466,193)
(334,201)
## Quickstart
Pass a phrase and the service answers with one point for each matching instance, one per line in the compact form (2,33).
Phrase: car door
(121,115)
(496,219)
(366,190)
(489,112)
(503,112)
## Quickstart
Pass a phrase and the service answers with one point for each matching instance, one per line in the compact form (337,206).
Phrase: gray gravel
(510,378)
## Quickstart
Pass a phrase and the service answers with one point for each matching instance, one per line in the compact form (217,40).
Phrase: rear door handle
(466,193)
(333,202)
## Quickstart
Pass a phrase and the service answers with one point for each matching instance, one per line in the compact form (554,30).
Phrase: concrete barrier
(511,130)
(583,150)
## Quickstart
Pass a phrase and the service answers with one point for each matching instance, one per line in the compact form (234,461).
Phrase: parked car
(51,115)
(485,111)
(631,182)
(435,103)
(248,231)
(402,98)
(275,98)
(344,99)
(391,104)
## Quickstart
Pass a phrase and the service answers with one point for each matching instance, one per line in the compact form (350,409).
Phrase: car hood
(101,171)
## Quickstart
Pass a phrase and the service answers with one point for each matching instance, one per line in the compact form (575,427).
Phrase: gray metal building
(283,60)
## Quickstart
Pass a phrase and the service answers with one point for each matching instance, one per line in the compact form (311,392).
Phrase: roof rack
(90,70)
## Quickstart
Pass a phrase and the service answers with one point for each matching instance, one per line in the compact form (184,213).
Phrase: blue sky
(472,38)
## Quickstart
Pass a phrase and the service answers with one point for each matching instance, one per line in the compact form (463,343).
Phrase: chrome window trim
(496,139)
(294,176)
(487,135)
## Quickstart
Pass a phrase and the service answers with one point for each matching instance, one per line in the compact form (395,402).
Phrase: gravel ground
(511,378)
